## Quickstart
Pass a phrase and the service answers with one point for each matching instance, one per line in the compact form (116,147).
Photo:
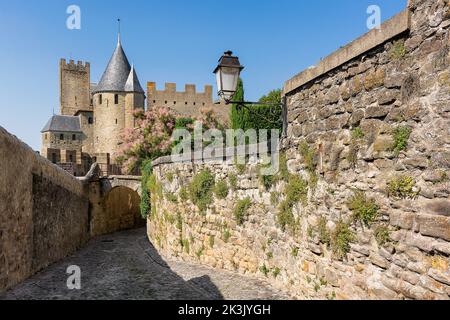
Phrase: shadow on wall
(123,265)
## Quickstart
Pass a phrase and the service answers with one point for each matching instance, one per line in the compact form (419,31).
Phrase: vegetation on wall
(398,50)
(401,137)
(201,188)
(310,160)
(221,189)
(402,187)
(296,190)
(146,196)
(241,210)
(341,239)
(364,209)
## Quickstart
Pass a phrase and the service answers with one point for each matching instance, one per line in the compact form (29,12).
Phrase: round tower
(115,98)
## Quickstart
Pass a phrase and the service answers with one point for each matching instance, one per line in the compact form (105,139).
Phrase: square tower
(74,87)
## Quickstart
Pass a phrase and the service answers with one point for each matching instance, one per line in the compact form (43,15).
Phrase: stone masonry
(373,123)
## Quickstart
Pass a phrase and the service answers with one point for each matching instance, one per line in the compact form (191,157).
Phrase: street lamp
(227,76)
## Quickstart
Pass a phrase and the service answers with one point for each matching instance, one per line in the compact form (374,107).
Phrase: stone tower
(74,81)
(116,96)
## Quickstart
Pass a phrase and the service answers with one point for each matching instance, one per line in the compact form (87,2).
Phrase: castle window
(116,121)
(71,158)
(90,120)
(174,102)
(61,137)
(165,102)
(185,103)
(45,136)
(100,99)
(74,137)
(154,101)
(92,101)
(203,103)
(194,103)
(54,157)
(116,99)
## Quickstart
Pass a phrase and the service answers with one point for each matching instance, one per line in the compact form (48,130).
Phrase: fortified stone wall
(187,103)
(365,210)
(43,212)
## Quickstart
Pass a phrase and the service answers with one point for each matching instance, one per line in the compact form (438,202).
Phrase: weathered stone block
(374,79)
(434,226)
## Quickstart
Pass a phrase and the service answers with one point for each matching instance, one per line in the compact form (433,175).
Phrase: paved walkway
(126,266)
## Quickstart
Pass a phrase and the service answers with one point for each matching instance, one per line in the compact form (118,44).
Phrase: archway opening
(121,209)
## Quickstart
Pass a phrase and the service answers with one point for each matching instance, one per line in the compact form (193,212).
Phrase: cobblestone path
(126,266)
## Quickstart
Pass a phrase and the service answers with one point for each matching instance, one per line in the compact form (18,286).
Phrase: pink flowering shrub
(152,136)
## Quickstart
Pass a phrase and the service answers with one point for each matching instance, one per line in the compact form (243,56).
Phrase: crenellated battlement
(79,66)
(171,88)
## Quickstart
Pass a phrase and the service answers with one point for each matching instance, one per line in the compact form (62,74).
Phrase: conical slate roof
(117,72)
(133,84)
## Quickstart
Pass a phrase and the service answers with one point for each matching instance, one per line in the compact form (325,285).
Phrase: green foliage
(401,137)
(200,251)
(364,209)
(145,204)
(240,168)
(170,176)
(221,189)
(171,197)
(309,157)
(226,235)
(186,245)
(179,222)
(256,116)
(212,241)
(284,172)
(382,234)
(398,50)
(276,272)
(241,210)
(200,189)
(269,255)
(357,133)
(294,252)
(296,190)
(264,270)
(232,179)
(402,187)
(323,232)
(184,194)
(275,198)
(341,239)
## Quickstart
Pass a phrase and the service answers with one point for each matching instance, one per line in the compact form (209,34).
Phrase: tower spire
(118,34)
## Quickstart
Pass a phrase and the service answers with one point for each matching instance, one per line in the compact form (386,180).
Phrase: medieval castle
(93,116)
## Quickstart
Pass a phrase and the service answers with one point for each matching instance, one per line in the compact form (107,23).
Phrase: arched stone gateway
(114,202)
(120,211)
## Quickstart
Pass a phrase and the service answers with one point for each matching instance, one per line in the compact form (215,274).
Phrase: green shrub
(232,179)
(171,197)
(402,187)
(200,189)
(221,189)
(309,157)
(145,204)
(226,235)
(294,252)
(179,222)
(357,133)
(322,230)
(264,270)
(200,251)
(401,137)
(364,209)
(185,245)
(382,235)
(341,239)
(184,194)
(397,50)
(296,191)
(241,210)
(269,255)
(276,272)
(284,172)
(170,176)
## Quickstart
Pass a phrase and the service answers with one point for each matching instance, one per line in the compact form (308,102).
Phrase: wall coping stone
(389,29)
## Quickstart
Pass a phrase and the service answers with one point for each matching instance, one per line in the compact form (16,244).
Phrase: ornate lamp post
(227,76)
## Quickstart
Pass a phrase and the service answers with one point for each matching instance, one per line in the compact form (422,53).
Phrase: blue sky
(168,41)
